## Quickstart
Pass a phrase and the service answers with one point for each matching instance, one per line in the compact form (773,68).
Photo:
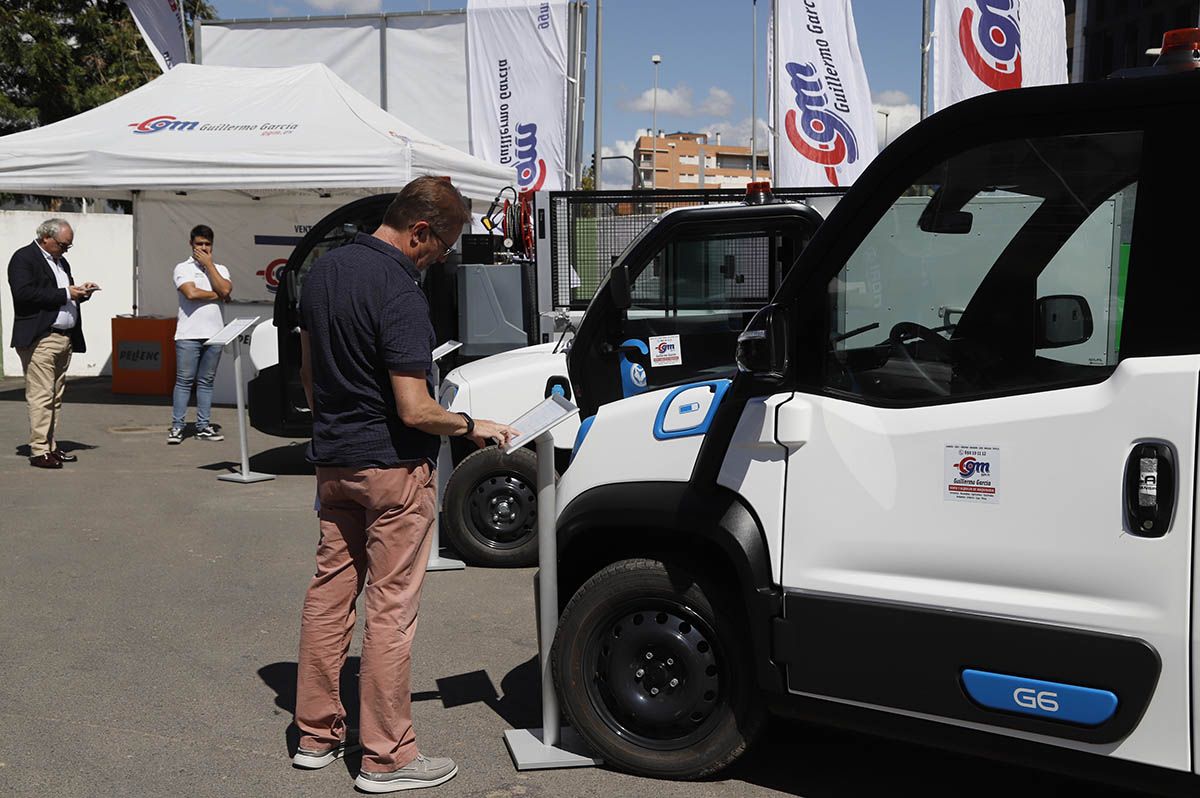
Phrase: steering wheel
(940,347)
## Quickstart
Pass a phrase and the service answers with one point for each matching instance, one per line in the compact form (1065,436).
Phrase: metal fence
(590,230)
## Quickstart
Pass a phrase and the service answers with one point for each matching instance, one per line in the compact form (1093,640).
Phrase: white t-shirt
(198,318)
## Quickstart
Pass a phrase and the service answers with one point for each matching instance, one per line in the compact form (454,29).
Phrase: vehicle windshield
(958,287)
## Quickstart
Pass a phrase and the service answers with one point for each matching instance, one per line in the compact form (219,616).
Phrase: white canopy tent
(258,154)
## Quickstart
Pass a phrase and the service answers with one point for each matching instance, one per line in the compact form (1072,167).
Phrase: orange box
(143,355)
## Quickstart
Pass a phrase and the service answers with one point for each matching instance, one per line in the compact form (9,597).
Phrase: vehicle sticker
(665,350)
(972,474)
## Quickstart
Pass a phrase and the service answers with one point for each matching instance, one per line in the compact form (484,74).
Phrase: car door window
(1002,269)
(703,287)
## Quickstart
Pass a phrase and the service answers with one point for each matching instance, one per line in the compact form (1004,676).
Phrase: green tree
(59,58)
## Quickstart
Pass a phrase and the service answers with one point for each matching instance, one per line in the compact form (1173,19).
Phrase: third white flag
(821,95)
(162,28)
(993,45)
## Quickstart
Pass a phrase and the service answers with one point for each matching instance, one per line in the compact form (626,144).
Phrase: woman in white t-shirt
(203,286)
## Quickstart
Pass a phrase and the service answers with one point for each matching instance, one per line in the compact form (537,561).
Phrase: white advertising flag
(517,51)
(992,45)
(162,28)
(821,96)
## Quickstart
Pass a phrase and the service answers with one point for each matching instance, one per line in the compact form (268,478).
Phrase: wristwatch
(470,424)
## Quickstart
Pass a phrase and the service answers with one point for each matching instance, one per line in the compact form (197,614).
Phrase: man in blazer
(47,328)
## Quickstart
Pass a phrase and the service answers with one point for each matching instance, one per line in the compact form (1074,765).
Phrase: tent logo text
(157,123)
(992,45)
(821,136)
(531,170)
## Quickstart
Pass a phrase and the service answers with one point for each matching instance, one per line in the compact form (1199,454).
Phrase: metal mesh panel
(710,273)
(590,229)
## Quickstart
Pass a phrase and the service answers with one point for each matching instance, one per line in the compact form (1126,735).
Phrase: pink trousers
(375,529)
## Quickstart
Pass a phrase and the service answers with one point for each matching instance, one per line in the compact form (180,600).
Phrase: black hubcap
(503,510)
(655,675)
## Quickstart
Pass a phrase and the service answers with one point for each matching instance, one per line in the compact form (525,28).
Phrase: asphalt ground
(149,617)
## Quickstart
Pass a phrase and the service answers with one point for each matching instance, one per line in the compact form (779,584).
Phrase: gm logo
(156,123)
(1071,703)
(531,170)
(991,45)
(664,347)
(821,135)
(969,467)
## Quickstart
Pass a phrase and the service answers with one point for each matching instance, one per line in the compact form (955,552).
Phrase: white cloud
(670,101)
(899,119)
(618,173)
(679,102)
(347,6)
(892,98)
(718,103)
(737,132)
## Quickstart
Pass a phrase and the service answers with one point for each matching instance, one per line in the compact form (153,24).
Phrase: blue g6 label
(1069,703)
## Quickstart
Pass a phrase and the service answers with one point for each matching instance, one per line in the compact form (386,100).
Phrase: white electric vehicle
(951,487)
(698,273)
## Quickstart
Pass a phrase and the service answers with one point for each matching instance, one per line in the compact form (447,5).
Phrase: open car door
(670,311)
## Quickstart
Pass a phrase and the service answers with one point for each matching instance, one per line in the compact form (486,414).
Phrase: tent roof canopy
(239,128)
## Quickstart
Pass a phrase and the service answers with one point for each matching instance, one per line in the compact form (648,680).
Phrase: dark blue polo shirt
(366,316)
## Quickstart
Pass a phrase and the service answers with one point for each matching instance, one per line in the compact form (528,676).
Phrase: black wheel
(654,673)
(490,509)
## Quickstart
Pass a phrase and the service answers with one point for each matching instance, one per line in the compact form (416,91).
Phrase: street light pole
(886,114)
(753,90)
(655,59)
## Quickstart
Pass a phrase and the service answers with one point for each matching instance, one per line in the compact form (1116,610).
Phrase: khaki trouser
(375,528)
(45,365)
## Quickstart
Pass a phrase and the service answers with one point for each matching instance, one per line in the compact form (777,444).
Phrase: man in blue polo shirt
(366,362)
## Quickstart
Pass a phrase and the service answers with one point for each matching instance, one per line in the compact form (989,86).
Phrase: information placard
(231,331)
(539,419)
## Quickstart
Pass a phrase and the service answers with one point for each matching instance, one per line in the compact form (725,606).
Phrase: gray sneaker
(175,435)
(209,434)
(424,771)
(311,760)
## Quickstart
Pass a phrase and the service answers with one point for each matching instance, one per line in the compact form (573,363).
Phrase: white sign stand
(444,466)
(549,746)
(231,333)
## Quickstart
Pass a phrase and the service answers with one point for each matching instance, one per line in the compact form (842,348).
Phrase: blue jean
(195,364)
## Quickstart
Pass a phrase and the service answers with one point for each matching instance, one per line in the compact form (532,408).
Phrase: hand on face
(202,252)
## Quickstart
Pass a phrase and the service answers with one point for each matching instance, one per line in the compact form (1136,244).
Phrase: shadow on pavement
(84,390)
(281,677)
(519,705)
(67,446)
(800,758)
(287,460)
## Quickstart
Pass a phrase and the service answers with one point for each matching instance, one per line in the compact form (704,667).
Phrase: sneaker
(311,760)
(175,435)
(209,434)
(424,771)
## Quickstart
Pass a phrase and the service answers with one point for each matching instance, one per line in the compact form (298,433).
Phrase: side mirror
(618,286)
(762,348)
(1063,320)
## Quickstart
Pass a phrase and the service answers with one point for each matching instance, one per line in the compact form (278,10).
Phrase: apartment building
(690,160)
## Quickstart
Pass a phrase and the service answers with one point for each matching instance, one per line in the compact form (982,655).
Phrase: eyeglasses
(449,249)
(63,245)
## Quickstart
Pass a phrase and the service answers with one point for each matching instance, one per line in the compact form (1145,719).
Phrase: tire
(490,509)
(686,730)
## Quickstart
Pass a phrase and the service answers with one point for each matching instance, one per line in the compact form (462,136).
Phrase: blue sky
(705,75)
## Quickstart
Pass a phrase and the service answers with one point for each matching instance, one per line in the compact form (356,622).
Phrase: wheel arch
(710,530)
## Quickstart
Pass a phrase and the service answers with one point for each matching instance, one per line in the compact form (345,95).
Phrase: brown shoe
(45,461)
(64,457)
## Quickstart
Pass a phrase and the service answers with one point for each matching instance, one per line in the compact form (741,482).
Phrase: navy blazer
(37,298)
